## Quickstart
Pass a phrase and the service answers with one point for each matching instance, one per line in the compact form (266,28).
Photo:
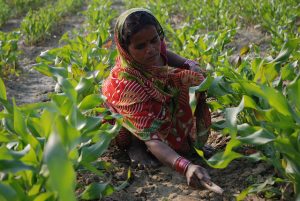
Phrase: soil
(161,184)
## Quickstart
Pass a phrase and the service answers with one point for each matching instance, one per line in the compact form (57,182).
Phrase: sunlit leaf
(2,90)
(259,137)
(62,174)
(7,193)
(91,101)
(97,191)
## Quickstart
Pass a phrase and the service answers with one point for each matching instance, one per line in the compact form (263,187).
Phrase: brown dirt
(31,86)
(162,184)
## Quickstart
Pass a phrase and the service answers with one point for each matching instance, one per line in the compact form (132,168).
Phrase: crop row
(13,8)
(38,25)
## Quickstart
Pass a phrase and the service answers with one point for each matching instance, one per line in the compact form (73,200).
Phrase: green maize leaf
(214,105)
(287,72)
(84,85)
(256,63)
(4,115)
(34,126)
(2,90)
(41,126)
(256,157)
(35,188)
(91,123)
(76,118)
(6,137)
(32,108)
(62,103)
(231,115)
(93,152)
(7,154)
(32,157)
(125,183)
(97,191)
(68,134)
(6,105)
(204,85)
(277,101)
(284,146)
(13,166)
(283,55)
(260,137)
(7,193)
(51,71)
(222,159)
(62,174)
(47,120)
(44,197)
(244,50)
(291,168)
(91,101)
(245,129)
(252,89)
(68,89)
(19,123)
(215,89)
(92,168)
(293,90)
(255,188)
(267,73)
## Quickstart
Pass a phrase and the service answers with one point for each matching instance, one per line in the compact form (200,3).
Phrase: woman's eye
(140,46)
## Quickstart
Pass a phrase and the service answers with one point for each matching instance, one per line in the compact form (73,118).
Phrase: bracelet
(181,165)
(190,63)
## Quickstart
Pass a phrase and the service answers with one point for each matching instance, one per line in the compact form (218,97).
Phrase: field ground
(155,184)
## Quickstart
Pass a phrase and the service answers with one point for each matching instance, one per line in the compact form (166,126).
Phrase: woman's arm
(168,156)
(175,60)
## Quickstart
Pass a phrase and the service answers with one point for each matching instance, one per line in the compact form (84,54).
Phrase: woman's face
(144,46)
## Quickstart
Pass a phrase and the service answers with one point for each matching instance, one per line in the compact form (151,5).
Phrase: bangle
(190,63)
(181,165)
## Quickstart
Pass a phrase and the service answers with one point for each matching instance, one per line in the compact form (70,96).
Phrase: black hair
(135,22)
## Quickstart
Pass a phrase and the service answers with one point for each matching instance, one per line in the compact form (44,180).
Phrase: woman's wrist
(181,165)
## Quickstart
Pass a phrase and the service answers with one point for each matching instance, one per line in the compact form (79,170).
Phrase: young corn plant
(96,16)
(9,53)
(66,6)
(4,12)
(259,98)
(43,144)
(38,25)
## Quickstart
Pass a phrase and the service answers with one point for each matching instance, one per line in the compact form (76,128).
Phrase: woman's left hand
(193,66)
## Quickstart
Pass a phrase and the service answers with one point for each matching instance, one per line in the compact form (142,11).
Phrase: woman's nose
(150,48)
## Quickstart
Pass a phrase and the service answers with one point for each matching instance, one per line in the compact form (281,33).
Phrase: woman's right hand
(195,174)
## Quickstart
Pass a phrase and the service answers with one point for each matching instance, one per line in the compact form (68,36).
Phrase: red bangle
(181,165)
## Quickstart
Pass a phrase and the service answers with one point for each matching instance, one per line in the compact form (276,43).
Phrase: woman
(149,87)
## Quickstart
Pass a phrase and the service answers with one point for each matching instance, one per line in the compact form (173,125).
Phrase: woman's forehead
(146,33)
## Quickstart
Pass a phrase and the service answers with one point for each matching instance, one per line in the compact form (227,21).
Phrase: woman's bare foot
(140,157)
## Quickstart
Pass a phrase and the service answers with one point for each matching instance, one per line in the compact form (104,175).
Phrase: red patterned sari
(154,101)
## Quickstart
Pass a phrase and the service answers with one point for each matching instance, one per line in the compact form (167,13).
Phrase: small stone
(172,195)
(186,192)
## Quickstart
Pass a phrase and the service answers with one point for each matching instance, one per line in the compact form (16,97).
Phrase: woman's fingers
(213,187)
(201,173)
